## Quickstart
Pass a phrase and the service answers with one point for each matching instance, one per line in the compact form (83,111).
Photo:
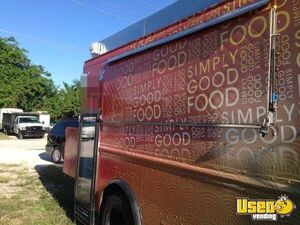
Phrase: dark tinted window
(73,123)
(60,127)
(31,119)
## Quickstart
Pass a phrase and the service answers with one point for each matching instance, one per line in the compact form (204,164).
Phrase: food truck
(191,116)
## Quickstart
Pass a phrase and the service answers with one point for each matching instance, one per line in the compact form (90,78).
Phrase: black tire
(20,136)
(116,211)
(5,131)
(56,155)
(78,222)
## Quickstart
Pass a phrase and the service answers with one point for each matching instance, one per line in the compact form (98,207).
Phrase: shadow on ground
(59,185)
(45,156)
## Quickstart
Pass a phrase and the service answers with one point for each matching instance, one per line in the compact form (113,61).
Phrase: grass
(29,197)
(4,179)
(4,137)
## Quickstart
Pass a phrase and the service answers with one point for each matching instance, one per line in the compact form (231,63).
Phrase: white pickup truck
(23,125)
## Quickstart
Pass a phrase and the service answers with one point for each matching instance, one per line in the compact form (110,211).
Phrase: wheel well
(111,189)
(57,146)
(119,186)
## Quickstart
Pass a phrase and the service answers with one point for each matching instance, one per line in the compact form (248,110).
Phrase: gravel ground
(30,152)
(33,190)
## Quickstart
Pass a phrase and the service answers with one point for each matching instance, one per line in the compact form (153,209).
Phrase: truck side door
(86,169)
(15,125)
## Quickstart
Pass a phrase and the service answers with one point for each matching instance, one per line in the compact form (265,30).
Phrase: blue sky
(58,33)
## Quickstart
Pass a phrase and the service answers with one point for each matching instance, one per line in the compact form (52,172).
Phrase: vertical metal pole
(272,65)
(272,92)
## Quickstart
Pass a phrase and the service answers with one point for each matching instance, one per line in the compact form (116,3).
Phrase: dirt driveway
(30,152)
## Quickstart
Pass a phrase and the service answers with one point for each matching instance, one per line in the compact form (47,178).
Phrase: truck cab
(28,126)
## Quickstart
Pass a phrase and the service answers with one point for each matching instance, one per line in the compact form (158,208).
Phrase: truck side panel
(7,110)
(92,92)
(189,174)
(7,121)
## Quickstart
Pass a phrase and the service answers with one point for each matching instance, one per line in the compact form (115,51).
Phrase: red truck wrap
(182,123)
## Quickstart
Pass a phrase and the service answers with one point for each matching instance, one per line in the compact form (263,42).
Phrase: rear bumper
(26,133)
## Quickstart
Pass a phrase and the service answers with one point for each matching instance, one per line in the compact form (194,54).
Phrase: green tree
(66,103)
(13,63)
(71,99)
(30,87)
(22,84)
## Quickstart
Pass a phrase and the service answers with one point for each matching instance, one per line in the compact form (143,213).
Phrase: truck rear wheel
(56,155)
(5,130)
(116,210)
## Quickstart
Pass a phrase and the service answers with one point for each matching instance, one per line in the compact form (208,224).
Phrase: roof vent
(97,48)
